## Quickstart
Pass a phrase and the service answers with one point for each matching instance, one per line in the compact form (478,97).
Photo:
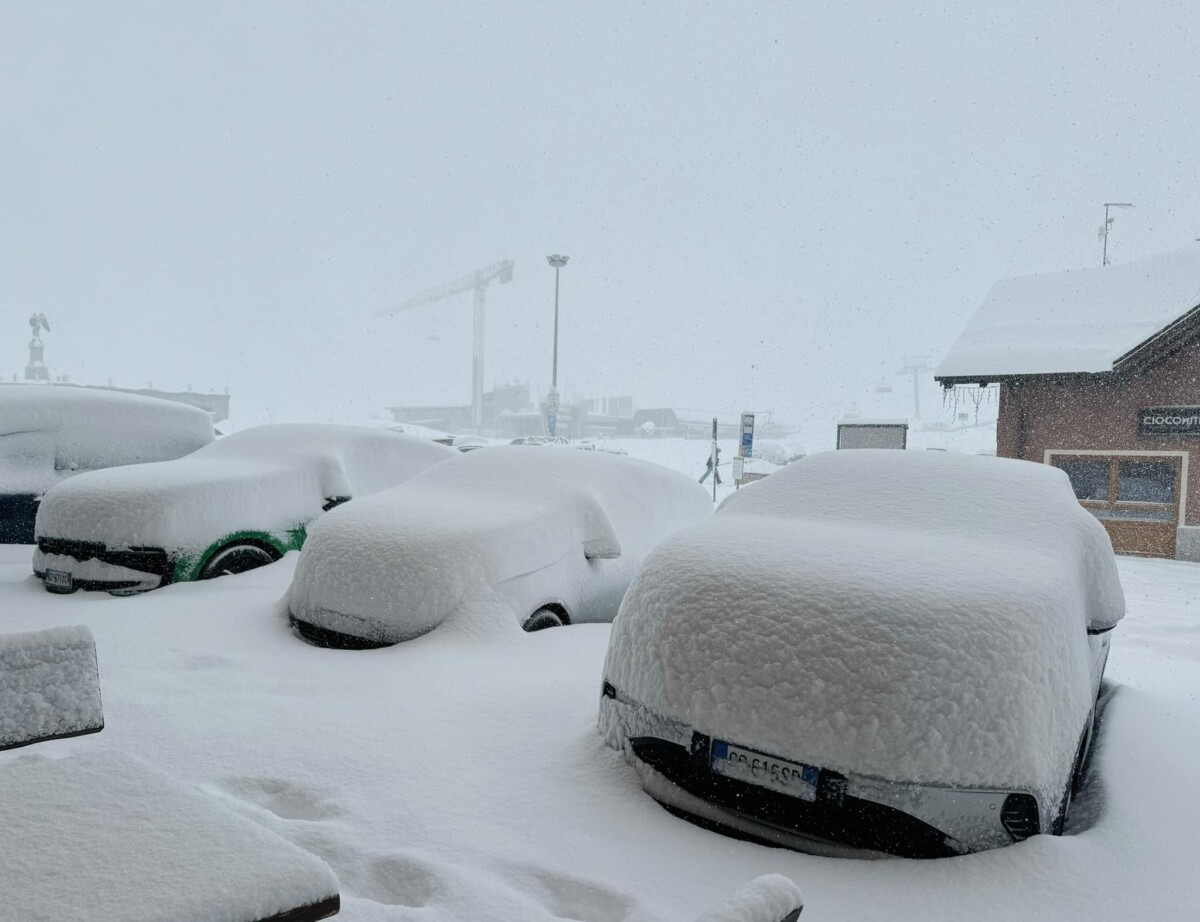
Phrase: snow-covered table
(106,838)
(49,686)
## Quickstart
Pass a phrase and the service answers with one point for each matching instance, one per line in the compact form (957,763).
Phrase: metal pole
(1104,262)
(557,262)
(713,455)
(554,372)
(477,362)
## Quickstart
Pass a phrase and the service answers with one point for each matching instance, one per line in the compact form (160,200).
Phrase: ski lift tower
(479,281)
(916,366)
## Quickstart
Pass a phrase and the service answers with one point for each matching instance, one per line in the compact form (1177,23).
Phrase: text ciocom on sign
(1167,420)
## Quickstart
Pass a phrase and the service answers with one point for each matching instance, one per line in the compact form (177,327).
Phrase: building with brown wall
(1099,375)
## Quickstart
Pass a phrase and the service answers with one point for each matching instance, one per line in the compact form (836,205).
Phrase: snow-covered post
(713,455)
(770,898)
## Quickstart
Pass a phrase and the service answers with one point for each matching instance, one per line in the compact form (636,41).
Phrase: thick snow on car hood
(906,616)
(269,478)
(397,565)
(50,432)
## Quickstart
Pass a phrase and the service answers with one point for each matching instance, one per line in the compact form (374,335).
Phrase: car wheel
(236,558)
(542,619)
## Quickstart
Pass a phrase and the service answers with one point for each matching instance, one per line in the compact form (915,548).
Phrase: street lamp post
(552,403)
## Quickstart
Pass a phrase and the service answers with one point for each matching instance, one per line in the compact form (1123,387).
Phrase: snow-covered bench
(105,836)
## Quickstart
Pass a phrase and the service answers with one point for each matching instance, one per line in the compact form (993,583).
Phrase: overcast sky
(763,207)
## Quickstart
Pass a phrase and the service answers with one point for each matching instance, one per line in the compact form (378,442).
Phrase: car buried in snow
(544,538)
(237,504)
(870,651)
(51,432)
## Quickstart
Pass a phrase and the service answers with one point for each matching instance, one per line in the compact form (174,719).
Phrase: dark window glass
(1146,482)
(1089,478)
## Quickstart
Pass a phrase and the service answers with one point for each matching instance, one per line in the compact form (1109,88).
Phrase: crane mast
(479,281)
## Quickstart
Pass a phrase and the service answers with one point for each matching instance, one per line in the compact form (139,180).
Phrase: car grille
(80,550)
(143,559)
(835,816)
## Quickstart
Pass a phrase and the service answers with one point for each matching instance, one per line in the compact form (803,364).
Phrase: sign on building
(1169,421)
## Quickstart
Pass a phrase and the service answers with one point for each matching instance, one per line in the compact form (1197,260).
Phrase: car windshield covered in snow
(239,503)
(51,432)
(885,628)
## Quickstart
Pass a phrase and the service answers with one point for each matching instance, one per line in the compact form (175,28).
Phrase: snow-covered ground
(459,778)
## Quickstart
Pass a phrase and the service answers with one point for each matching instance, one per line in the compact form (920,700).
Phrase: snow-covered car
(49,432)
(546,537)
(885,651)
(236,504)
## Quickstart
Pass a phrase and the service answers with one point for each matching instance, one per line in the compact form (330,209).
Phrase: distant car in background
(891,651)
(234,505)
(49,432)
(545,538)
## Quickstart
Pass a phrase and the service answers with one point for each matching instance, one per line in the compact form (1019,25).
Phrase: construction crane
(478,280)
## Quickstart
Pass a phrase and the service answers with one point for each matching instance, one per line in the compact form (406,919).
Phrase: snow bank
(49,685)
(104,837)
(395,566)
(48,432)
(1082,320)
(268,478)
(912,616)
(770,898)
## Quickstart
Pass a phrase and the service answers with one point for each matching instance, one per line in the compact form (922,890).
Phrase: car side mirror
(602,549)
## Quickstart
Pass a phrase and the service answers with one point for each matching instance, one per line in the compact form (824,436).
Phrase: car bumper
(124,572)
(852,814)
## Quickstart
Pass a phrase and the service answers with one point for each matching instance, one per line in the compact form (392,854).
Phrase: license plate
(59,581)
(766,771)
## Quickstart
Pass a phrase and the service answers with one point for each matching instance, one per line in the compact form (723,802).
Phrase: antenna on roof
(1103,235)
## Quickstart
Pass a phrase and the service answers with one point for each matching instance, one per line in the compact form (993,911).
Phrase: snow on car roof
(1081,320)
(267,477)
(935,631)
(49,431)
(447,533)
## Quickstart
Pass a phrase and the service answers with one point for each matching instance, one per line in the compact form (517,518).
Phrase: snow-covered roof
(1081,320)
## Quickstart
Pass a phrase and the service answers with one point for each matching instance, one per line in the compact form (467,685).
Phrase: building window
(1146,482)
(1089,479)
(1135,490)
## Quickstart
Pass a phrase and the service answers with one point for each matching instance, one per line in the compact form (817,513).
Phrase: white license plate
(60,581)
(766,771)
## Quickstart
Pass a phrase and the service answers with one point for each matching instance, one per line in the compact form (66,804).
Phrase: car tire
(237,558)
(543,618)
